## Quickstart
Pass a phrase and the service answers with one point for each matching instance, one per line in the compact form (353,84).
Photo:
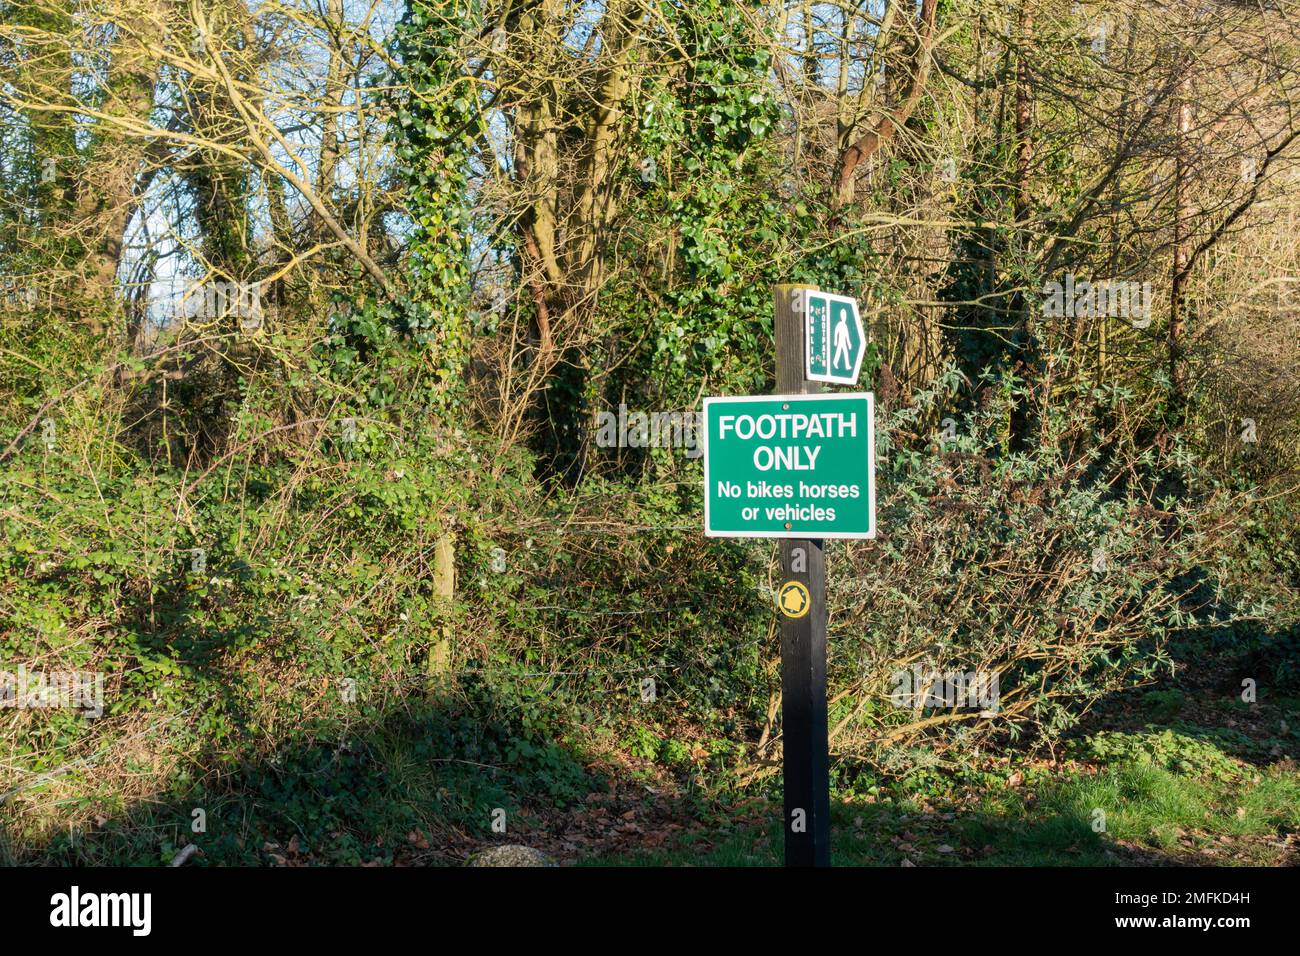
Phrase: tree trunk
(1177,285)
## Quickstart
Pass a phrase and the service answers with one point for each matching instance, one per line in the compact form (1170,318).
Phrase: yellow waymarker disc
(794,599)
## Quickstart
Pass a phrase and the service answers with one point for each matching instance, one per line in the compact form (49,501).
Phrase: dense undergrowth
(280,665)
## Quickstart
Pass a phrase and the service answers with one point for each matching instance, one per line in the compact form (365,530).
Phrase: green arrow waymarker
(835,341)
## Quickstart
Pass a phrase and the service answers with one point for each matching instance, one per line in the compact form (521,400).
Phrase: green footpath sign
(790,466)
(834,341)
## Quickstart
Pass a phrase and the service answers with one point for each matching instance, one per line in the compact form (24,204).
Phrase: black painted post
(803,640)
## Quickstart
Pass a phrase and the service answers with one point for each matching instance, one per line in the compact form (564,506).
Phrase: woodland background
(358,575)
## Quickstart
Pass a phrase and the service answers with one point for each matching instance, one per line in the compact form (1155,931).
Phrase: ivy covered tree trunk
(437,121)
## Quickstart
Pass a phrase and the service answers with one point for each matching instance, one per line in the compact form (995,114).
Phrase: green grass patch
(1157,796)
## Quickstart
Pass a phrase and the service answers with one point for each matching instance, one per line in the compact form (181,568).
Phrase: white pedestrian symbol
(841,343)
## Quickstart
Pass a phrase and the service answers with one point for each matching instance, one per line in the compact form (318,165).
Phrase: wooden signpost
(798,466)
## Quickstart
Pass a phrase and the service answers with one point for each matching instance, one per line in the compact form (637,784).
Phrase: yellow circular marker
(794,599)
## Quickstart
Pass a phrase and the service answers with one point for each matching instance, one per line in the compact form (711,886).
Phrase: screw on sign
(789,466)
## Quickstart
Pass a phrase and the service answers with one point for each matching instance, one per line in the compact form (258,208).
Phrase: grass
(1124,811)
(1149,796)
(1212,782)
